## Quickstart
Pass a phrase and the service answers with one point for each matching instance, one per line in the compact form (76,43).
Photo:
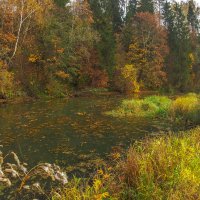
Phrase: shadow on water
(73,133)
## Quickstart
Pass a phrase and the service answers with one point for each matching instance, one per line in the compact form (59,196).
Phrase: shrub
(126,80)
(99,78)
(17,181)
(96,188)
(56,89)
(6,83)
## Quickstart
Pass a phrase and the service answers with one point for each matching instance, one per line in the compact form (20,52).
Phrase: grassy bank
(183,109)
(163,168)
(167,167)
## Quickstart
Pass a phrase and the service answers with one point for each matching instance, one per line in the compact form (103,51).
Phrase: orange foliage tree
(148,50)
(20,21)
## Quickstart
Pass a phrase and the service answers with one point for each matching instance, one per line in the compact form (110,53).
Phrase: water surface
(73,133)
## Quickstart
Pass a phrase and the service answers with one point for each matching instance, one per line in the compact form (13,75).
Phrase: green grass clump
(148,107)
(163,168)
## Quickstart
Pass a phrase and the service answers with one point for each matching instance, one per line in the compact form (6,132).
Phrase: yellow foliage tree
(148,50)
(126,79)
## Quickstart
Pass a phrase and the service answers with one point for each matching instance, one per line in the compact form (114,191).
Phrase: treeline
(50,47)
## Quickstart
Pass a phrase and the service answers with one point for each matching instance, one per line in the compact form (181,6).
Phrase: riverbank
(166,167)
(81,93)
(87,92)
(17,100)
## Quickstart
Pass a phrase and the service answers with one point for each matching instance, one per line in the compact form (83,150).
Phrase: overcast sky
(198,1)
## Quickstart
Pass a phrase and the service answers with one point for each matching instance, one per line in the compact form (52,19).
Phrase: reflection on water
(71,133)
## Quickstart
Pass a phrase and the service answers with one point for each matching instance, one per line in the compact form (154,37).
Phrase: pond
(73,133)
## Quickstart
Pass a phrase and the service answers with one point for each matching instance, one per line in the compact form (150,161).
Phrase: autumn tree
(20,23)
(7,41)
(148,50)
(71,30)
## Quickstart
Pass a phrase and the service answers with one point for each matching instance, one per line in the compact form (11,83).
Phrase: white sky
(197,1)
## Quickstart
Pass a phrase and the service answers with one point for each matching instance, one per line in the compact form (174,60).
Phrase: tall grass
(97,187)
(163,168)
(186,108)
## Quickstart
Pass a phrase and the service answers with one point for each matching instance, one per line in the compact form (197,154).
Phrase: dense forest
(55,47)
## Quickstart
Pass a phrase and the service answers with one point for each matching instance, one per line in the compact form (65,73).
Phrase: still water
(73,133)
